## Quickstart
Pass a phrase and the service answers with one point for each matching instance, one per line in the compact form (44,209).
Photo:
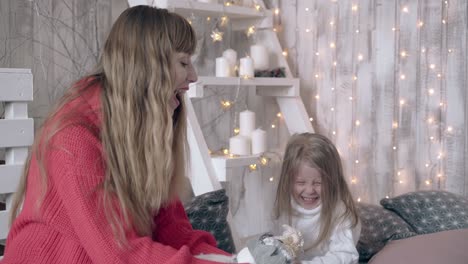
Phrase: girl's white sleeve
(341,249)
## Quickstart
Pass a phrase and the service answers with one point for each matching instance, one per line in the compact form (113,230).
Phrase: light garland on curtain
(443,98)
(398,103)
(354,121)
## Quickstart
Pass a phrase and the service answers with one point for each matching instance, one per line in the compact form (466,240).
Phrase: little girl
(313,197)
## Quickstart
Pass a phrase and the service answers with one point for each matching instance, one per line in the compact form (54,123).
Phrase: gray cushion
(208,212)
(430,211)
(378,227)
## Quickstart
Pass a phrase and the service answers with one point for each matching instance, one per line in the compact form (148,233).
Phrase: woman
(102,181)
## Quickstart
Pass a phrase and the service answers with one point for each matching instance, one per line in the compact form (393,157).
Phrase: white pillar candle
(222,67)
(246,123)
(239,145)
(231,56)
(260,57)
(246,69)
(258,141)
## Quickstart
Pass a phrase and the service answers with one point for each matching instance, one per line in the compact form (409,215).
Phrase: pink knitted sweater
(71,226)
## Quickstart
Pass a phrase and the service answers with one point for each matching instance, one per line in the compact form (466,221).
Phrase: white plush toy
(270,249)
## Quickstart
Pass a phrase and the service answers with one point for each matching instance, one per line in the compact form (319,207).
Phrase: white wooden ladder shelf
(16,133)
(207,172)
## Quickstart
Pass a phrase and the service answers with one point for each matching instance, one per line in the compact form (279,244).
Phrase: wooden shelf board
(266,86)
(189,7)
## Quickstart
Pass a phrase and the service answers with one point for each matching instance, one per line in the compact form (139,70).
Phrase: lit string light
(439,177)
(355,59)
(397,104)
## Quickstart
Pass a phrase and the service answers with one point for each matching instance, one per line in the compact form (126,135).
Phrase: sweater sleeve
(75,166)
(173,228)
(341,249)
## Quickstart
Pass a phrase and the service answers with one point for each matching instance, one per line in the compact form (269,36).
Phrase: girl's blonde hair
(144,141)
(316,151)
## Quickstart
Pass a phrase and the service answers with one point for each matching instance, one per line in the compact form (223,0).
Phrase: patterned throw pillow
(430,211)
(378,227)
(208,212)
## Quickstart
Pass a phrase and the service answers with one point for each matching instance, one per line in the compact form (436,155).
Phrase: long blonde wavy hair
(144,141)
(317,152)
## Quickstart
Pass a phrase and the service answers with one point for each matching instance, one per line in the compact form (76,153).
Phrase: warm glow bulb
(307,30)
(277,11)
(285,53)
(420,24)
(402,101)
(354,7)
(253,167)
(431,91)
(311,119)
(273,126)
(279,114)
(403,54)
(264,161)
(402,77)
(257,7)
(428,182)
(225,151)
(271,179)
(360,57)
(358,122)
(395,125)
(250,31)
(359,199)
(432,66)
(236,130)
(356,161)
(405,9)
(332,45)
(317,97)
(449,129)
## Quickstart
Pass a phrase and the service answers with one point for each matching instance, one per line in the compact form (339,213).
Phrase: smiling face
(184,73)
(307,187)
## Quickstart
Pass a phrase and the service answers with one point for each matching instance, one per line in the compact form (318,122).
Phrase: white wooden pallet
(16,133)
